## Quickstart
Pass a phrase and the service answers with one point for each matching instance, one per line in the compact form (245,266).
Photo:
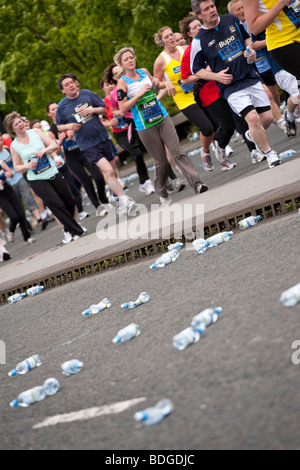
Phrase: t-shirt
(92,131)
(5,155)
(222,47)
(209,92)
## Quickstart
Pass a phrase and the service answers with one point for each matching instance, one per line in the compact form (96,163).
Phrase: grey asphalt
(234,389)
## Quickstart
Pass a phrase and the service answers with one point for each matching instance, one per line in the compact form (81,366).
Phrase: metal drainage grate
(119,259)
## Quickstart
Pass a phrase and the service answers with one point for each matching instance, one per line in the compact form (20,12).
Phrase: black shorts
(268,78)
(101,150)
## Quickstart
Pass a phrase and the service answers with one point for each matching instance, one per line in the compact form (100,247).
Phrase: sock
(290,116)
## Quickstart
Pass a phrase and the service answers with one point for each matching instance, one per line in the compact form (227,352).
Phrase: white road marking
(89,413)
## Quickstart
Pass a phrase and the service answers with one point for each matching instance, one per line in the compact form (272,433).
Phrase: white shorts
(287,82)
(251,97)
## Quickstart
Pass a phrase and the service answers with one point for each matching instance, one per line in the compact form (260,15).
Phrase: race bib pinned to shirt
(230,48)
(82,119)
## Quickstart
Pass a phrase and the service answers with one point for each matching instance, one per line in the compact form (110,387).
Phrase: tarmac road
(235,389)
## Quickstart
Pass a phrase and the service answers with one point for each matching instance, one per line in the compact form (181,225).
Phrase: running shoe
(178,184)
(207,163)
(202,188)
(165,201)
(30,241)
(126,206)
(227,165)
(67,238)
(83,215)
(10,236)
(257,157)
(147,188)
(219,152)
(273,159)
(291,126)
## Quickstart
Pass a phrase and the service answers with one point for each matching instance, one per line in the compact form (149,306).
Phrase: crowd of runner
(224,73)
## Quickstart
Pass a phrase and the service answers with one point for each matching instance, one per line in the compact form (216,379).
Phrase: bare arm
(257,22)
(51,146)
(158,71)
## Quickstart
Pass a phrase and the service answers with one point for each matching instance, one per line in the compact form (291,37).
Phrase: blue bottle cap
(13,373)
(126,305)
(14,403)
(218,310)
(86,312)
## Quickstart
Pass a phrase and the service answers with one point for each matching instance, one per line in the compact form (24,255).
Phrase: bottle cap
(117,339)
(86,312)
(140,416)
(13,373)
(153,266)
(218,310)
(14,403)
(259,217)
(126,305)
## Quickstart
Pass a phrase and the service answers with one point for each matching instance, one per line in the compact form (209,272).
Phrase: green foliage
(42,39)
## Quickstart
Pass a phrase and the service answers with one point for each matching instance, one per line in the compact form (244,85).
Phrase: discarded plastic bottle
(126,334)
(29,397)
(193,137)
(155,413)
(94,309)
(35,290)
(219,238)
(192,153)
(26,365)
(248,53)
(295,5)
(287,154)
(200,245)
(51,386)
(72,367)
(187,337)
(142,299)
(175,246)
(165,259)
(249,221)
(15,298)
(206,318)
(291,297)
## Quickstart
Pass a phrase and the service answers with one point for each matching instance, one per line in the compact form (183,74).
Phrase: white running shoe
(273,159)
(178,184)
(83,215)
(229,151)
(67,238)
(126,206)
(149,187)
(257,157)
(219,152)
(165,201)
(10,236)
(30,241)
(227,165)
(207,163)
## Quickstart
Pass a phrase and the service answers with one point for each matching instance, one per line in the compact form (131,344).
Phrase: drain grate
(146,249)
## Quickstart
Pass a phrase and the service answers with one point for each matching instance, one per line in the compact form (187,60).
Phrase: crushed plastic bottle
(127,333)
(94,309)
(35,290)
(155,414)
(206,318)
(142,299)
(165,259)
(249,222)
(36,394)
(219,238)
(175,246)
(194,136)
(194,152)
(26,365)
(200,245)
(291,297)
(187,337)
(287,154)
(71,367)
(15,298)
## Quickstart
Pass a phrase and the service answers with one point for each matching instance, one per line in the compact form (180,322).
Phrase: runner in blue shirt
(221,44)
(79,111)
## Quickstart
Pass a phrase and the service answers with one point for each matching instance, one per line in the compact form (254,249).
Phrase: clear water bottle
(200,245)
(206,317)
(35,290)
(51,386)
(26,365)
(175,246)
(287,154)
(219,238)
(29,397)
(94,309)
(143,298)
(165,259)
(126,334)
(248,53)
(71,367)
(155,413)
(249,222)
(295,5)
(15,298)
(291,297)
(187,337)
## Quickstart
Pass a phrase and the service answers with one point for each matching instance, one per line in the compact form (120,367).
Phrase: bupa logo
(227,41)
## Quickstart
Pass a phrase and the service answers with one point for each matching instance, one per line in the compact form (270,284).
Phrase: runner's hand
(224,77)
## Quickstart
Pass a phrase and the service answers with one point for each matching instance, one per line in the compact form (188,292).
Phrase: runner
(136,92)
(282,25)
(221,43)
(42,175)
(79,111)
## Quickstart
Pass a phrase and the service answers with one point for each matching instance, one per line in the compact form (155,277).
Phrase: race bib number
(150,110)
(82,119)
(43,164)
(2,175)
(293,16)
(230,48)
(186,87)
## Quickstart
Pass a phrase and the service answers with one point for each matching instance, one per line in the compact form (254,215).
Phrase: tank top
(285,29)
(148,111)
(46,167)
(184,93)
